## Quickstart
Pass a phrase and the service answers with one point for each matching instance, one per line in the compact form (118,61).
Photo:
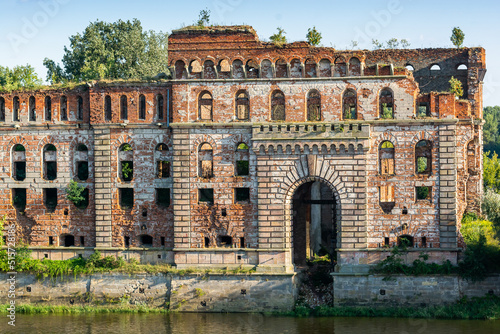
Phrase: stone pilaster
(181,197)
(103,191)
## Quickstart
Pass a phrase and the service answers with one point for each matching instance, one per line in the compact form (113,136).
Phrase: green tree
(491,208)
(456,87)
(376,44)
(279,39)
(313,36)
(491,171)
(75,193)
(204,18)
(19,77)
(393,43)
(119,50)
(457,37)
(405,43)
(491,138)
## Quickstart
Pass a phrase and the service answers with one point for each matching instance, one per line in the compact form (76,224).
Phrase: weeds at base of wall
(484,308)
(65,309)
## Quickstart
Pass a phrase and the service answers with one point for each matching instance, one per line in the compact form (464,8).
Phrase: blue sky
(34,29)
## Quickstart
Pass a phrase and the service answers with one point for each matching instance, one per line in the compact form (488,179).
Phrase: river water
(235,323)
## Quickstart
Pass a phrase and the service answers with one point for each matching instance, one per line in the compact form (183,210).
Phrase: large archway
(314,221)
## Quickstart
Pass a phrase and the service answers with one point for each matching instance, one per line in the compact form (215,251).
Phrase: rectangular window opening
(163,197)
(19,199)
(423,110)
(242,242)
(163,169)
(242,194)
(82,170)
(423,193)
(225,241)
(206,196)
(50,198)
(82,241)
(386,194)
(162,241)
(126,241)
(242,167)
(51,241)
(386,242)
(126,198)
(207,242)
(20,170)
(127,170)
(50,170)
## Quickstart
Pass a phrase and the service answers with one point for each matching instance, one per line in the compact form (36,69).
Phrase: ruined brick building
(251,155)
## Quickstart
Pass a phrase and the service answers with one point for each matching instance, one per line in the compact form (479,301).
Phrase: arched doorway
(314,222)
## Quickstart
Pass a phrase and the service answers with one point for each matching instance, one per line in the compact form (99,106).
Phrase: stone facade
(208,168)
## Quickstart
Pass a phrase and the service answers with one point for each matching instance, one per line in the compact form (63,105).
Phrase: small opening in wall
(82,241)
(424,242)
(386,242)
(223,212)
(382,292)
(207,242)
(243,291)
(162,241)
(66,212)
(491,292)
(405,211)
(239,257)
(80,256)
(144,212)
(225,241)
(127,241)
(69,241)
(28,289)
(46,256)
(242,194)
(242,242)
(159,256)
(146,240)
(51,241)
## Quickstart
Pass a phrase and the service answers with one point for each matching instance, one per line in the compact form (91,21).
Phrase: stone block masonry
(214,167)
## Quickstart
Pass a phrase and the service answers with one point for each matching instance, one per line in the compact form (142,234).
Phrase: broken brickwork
(203,169)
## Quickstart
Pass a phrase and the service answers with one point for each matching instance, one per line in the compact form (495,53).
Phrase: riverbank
(484,308)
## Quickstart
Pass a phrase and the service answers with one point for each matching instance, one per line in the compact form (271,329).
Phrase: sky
(34,29)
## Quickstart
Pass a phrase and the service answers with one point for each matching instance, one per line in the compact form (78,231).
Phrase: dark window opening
(51,242)
(79,110)
(82,170)
(66,212)
(84,202)
(225,241)
(162,241)
(19,171)
(405,241)
(242,242)
(48,108)
(144,212)
(64,108)
(19,199)
(223,212)
(127,170)
(123,108)
(423,110)
(387,199)
(146,240)
(142,107)
(126,241)
(163,169)
(424,242)
(108,114)
(50,170)
(278,106)
(423,193)
(2,109)
(350,104)
(207,242)
(405,211)
(32,106)
(69,240)
(159,106)
(82,241)
(386,242)
(126,198)
(423,154)
(15,115)
(50,199)
(242,168)
(206,196)
(242,194)
(163,197)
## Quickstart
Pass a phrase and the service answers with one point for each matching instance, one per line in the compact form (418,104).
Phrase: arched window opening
(82,162)
(123,108)
(19,162)
(79,109)
(238,70)
(278,106)
(50,162)
(32,109)
(205,161)
(162,159)
(462,67)
(67,240)
(354,66)
(224,69)
(15,107)
(313,106)
(423,157)
(295,68)
(405,240)
(108,114)
(435,67)
(386,104)
(146,240)
(142,107)
(180,70)
(48,108)
(350,104)
(242,158)
(266,68)
(205,105)
(2,109)
(252,69)
(64,108)
(126,162)
(209,70)
(281,68)
(159,107)
(340,69)
(410,67)
(325,68)
(195,69)
(242,105)
(386,198)
(386,156)
(310,68)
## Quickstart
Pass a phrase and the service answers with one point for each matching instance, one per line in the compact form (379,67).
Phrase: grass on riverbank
(80,309)
(484,308)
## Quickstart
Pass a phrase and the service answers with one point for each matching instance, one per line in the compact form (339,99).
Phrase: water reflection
(235,323)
